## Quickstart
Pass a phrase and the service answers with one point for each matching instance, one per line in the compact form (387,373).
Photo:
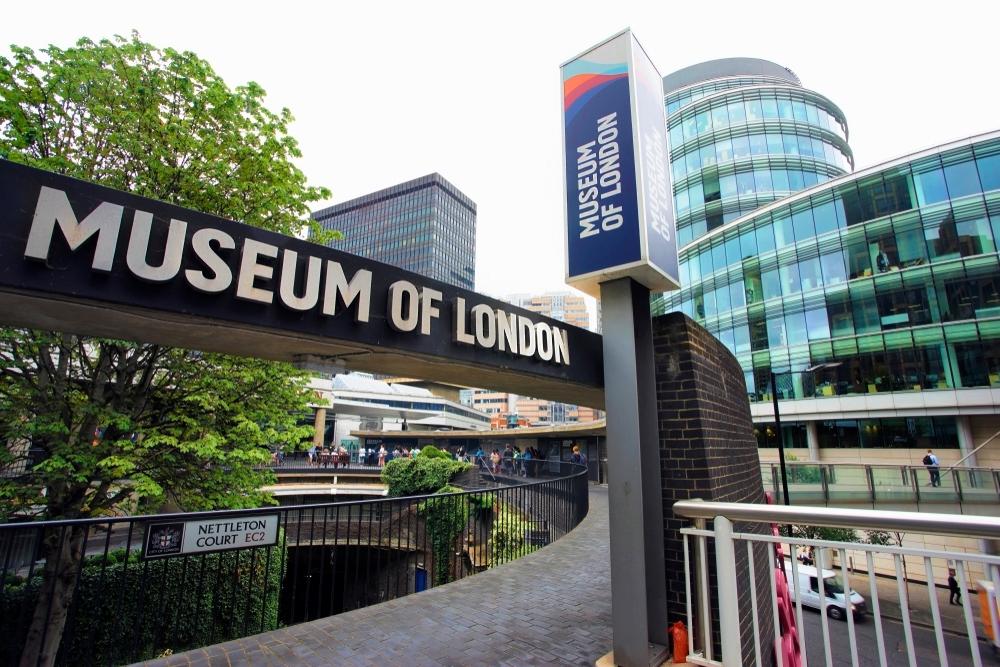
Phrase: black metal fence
(80,592)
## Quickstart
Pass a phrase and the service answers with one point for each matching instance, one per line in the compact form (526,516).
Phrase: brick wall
(707,451)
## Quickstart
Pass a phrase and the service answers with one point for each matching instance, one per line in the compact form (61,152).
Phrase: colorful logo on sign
(583,79)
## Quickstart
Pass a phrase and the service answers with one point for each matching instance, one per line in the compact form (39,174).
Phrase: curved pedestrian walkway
(552,607)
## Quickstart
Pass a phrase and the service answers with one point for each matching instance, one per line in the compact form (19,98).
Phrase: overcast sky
(384,92)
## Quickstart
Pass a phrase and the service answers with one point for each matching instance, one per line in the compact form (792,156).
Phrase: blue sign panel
(619,219)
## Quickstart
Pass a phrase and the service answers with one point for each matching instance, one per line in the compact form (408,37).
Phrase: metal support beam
(638,578)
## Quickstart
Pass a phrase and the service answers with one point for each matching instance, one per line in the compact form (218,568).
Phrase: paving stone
(551,607)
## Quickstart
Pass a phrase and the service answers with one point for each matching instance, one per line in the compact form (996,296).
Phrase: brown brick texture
(707,451)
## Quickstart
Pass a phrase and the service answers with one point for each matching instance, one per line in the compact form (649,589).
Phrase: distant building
(425,225)
(565,307)
(562,306)
(357,401)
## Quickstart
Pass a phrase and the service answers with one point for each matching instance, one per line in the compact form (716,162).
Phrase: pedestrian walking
(508,460)
(933,468)
(381,456)
(955,593)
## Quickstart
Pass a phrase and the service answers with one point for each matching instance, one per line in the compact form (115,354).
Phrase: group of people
(511,461)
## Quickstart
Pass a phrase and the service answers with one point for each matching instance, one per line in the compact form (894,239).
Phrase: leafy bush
(443,520)
(507,539)
(203,600)
(432,452)
(419,476)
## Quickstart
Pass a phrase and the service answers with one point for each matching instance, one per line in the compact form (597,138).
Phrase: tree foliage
(419,476)
(116,425)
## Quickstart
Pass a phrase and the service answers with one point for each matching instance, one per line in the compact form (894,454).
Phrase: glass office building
(425,225)
(742,133)
(889,276)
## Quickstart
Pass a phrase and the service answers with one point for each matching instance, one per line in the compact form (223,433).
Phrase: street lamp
(777,425)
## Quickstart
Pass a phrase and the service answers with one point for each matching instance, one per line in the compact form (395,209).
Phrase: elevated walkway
(974,491)
(551,607)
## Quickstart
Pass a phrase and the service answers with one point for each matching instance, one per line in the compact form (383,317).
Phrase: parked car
(833,585)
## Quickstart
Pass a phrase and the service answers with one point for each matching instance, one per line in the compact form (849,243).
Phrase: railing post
(729,613)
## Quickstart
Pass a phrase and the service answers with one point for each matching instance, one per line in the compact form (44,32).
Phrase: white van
(833,586)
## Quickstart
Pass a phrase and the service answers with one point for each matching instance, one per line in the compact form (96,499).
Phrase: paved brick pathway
(552,607)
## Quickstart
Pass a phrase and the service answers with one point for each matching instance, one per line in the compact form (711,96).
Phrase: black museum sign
(81,258)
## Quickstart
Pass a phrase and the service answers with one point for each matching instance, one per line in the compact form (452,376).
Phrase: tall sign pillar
(620,247)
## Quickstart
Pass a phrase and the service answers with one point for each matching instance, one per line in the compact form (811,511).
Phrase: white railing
(954,638)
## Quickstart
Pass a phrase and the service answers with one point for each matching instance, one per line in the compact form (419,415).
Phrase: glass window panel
(741,334)
(866,317)
(690,128)
(745,183)
(809,179)
(825,217)
(709,304)
(724,150)
(831,153)
(930,187)
(769,107)
(683,201)
(706,262)
(770,284)
(678,168)
(720,116)
(790,281)
(962,179)
(707,155)
(684,235)
(765,238)
(741,147)
(989,171)
(703,122)
(774,146)
(791,144)
(722,300)
(676,135)
(697,194)
(779,178)
(762,179)
(738,295)
(758,144)
(975,237)
(783,229)
(753,110)
(736,112)
(693,161)
(942,238)
(796,332)
(698,229)
(719,256)
(799,110)
(817,324)
(841,314)
(811,114)
(733,249)
(726,338)
(795,180)
(785,109)
(802,223)
(727,186)
(805,146)
(776,332)
(810,273)
(818,148)
(834,270)
(748,244)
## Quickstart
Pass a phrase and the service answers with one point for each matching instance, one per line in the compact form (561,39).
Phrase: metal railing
(82,590)
(827,482)
(749,564)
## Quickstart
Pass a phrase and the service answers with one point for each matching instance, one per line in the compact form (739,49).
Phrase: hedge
(200,599)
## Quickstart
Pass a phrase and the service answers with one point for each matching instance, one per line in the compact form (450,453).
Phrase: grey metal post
(729,612)
(638,576)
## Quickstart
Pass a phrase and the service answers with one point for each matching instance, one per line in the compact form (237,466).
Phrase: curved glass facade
(892,272)
(740,141)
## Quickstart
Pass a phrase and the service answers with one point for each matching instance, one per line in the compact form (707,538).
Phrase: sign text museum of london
(77,242)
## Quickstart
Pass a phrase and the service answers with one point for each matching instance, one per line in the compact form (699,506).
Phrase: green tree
(174,425)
